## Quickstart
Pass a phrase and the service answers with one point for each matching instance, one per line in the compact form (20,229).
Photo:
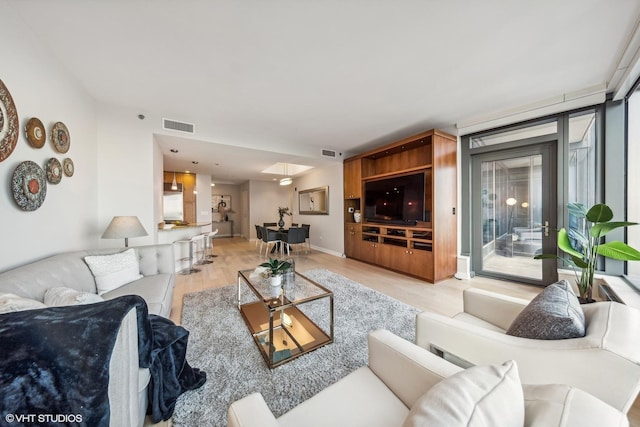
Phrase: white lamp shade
(123,227)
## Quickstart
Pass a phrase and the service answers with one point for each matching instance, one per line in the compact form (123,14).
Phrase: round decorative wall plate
(9,127)
(67,167)
(36,135)
(60,137)
(29,186)
(54,171)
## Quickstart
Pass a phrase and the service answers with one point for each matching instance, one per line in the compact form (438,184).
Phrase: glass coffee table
(281,330)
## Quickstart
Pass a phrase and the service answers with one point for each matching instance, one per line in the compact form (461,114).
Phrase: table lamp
(124,227)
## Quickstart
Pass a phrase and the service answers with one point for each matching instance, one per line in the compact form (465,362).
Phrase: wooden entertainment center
(428,249)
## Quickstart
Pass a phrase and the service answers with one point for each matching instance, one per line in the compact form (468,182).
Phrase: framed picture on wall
(220,203)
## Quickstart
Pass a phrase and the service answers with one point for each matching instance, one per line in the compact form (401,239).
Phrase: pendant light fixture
(287,179)
(174,184)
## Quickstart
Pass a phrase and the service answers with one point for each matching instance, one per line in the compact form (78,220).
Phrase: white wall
(127,173)
(41,87)
(203,198)
(327,231)
(265,197)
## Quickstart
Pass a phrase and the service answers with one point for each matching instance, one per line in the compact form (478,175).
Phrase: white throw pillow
(61,295)
(478,396)
(113,271)
(11,302)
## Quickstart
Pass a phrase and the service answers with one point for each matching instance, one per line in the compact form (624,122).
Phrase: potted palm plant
(276,268)
(596,223)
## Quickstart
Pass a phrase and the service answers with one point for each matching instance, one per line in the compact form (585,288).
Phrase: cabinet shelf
(398,172)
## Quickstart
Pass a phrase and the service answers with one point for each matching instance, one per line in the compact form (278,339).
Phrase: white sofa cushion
(554,314)
(11,302)
(551,405)
(113,271)
(62,295)
(488,395)
(358,400)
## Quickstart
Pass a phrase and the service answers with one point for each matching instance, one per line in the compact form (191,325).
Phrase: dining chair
(269,237)
(295,236)
(259,236)
(307,228)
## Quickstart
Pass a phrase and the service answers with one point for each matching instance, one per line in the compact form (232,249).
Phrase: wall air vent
(169,124)
(328,153)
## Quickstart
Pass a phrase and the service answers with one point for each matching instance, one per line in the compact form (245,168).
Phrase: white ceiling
(279,75)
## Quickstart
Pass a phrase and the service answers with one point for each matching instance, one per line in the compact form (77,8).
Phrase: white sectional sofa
(389,392)
(127,382)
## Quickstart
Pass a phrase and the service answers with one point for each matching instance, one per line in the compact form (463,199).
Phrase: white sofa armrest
(408,370)
(497,309)
(127,405)
(251,411)
(586,363)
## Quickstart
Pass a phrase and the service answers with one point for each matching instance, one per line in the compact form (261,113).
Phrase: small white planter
(275,280)
(275,285)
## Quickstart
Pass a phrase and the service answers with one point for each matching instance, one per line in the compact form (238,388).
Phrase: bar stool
(201,248)
(208,243)
(191,242)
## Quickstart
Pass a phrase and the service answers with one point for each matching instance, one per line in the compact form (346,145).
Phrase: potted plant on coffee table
(276,268)
(596,223)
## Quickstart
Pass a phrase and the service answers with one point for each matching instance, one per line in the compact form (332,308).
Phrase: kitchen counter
(186,226)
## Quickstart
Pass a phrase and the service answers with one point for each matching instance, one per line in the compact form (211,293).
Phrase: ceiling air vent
(328,153)
(169,124)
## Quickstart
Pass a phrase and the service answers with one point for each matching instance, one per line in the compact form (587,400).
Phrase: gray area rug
(221,345)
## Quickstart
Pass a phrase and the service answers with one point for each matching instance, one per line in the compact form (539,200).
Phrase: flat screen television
(396,200)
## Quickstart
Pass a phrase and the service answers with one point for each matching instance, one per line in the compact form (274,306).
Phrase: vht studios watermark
(43,418)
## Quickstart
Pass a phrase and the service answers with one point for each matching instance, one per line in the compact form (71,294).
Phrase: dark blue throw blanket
(54,363)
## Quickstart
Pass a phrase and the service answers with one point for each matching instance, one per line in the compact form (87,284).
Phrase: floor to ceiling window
(518,200)
(633,177)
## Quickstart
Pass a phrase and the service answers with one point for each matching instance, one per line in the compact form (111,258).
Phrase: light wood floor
(445,297)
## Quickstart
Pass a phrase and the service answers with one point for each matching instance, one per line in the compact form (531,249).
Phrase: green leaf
(618,250)
(547,256)
(599,213)
(602,229)
(579,262)
(565,244)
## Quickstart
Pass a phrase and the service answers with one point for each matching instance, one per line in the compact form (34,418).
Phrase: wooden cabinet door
(421,263)
(352,179)
(352,238)
(368,251)
(397,258)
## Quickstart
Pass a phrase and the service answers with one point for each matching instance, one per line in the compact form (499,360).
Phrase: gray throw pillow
(554,314)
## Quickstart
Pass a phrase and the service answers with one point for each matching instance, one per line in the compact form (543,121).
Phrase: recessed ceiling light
(213,184)
(194,162)
(173,150)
